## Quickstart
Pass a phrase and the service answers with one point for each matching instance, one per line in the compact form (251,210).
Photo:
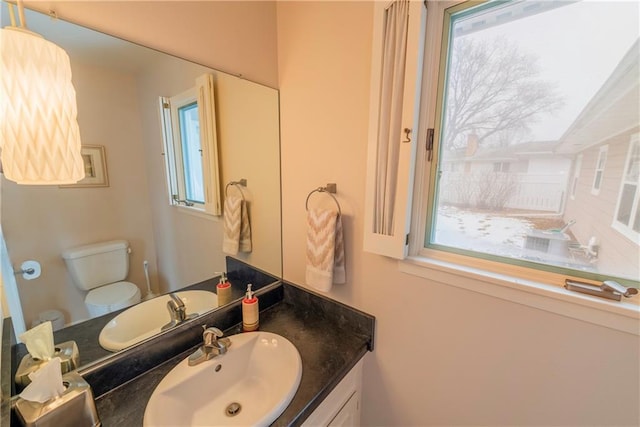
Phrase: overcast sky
(578,46)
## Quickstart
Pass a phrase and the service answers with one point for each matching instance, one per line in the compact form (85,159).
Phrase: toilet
(101,268)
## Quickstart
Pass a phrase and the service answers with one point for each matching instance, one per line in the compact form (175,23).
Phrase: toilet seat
(112,297)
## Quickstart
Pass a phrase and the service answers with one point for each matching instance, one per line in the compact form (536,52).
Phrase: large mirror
(118,86)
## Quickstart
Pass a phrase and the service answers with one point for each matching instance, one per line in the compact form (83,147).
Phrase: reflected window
(191,151)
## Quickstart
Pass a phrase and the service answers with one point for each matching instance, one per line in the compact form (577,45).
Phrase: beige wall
(249,138)
(237,37)
(444,356)
(189,247)
(40,222)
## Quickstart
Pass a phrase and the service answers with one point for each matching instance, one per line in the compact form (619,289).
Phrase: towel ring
(329,189)
(238,185)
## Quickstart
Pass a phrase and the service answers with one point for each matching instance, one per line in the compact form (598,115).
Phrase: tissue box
(69,360)
(74,408)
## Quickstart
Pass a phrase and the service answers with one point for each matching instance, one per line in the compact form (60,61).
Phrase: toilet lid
(111,294)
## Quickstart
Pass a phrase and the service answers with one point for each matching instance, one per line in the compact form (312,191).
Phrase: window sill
(195,212)
(623,316)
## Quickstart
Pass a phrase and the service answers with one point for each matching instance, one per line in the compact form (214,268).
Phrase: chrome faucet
(213,345)
(177,311)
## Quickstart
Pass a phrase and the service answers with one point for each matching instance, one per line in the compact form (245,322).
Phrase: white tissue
(39,341)
(46,382)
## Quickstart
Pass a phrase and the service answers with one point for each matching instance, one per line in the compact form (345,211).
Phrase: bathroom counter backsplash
(327,356)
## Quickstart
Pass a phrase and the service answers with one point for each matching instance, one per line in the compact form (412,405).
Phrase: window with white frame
(627,217)
(598,175)
(190,148)
(507,87)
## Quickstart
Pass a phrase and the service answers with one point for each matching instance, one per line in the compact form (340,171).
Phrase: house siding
(595,213)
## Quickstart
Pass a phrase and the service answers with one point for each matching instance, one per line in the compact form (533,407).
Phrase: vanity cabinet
(341,408)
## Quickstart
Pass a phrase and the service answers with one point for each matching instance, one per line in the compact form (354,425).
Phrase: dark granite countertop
(328,349)
(330,336)
(85,334)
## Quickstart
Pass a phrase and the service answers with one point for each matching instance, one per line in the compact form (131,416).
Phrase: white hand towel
(245,228)
(339,272)
(237,229)
(325,249)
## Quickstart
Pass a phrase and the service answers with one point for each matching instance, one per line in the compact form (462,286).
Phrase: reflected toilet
(101,268)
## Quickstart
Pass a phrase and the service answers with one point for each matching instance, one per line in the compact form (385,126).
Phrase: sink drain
(233,409)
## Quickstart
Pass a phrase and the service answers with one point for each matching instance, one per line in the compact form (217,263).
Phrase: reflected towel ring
(329,189)
(238,185)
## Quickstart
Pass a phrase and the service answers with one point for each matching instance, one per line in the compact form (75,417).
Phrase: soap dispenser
(250,311)
(223,290)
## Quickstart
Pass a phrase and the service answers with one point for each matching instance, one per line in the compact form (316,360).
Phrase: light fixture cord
(12,14)
(23,21)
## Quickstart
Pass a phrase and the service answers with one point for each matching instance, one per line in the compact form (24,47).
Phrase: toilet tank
(98,264)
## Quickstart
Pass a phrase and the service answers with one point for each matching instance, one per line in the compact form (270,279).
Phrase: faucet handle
(211,334)
(178,301)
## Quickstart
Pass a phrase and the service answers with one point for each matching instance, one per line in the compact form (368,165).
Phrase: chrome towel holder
(330,190)
(238,184)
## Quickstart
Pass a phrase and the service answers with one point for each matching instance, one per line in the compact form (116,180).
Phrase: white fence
(498,190)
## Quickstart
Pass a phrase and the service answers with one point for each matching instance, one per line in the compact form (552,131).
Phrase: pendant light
(39,134)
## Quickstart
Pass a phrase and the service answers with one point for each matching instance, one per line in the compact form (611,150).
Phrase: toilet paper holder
(29,269)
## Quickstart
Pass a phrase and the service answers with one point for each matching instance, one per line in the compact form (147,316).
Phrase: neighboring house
(590,176)
(518,172)
(604,188)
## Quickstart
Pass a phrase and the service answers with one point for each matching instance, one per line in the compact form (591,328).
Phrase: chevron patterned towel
(237,228)
(325,250)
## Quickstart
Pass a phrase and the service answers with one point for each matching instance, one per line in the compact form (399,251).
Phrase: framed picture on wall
(95,168)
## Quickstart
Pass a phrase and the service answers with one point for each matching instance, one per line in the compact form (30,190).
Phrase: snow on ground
(496,234)
(481,232)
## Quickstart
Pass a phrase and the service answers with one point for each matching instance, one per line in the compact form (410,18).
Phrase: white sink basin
(260,372)
(145,320)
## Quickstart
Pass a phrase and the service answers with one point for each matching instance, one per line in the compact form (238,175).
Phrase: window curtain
(390,114)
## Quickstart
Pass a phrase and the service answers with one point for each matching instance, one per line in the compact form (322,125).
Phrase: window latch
(608,289)
(429,144)
(178,201)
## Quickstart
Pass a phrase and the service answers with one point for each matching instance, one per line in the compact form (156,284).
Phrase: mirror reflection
(141,222)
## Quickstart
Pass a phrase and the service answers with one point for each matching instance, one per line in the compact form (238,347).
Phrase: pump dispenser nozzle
(250,311)
(223,290)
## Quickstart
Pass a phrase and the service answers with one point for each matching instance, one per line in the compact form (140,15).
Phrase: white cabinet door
(349,415)
(342,406)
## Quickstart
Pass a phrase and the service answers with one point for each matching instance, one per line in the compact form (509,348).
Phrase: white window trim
(533,288)
(603,152)
(622,316)
(576,176)
(394,245)
(627,230)
(178,101)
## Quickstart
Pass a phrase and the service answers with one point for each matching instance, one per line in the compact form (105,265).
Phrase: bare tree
(494,91)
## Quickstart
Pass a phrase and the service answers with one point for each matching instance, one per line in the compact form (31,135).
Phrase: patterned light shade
(39,134)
